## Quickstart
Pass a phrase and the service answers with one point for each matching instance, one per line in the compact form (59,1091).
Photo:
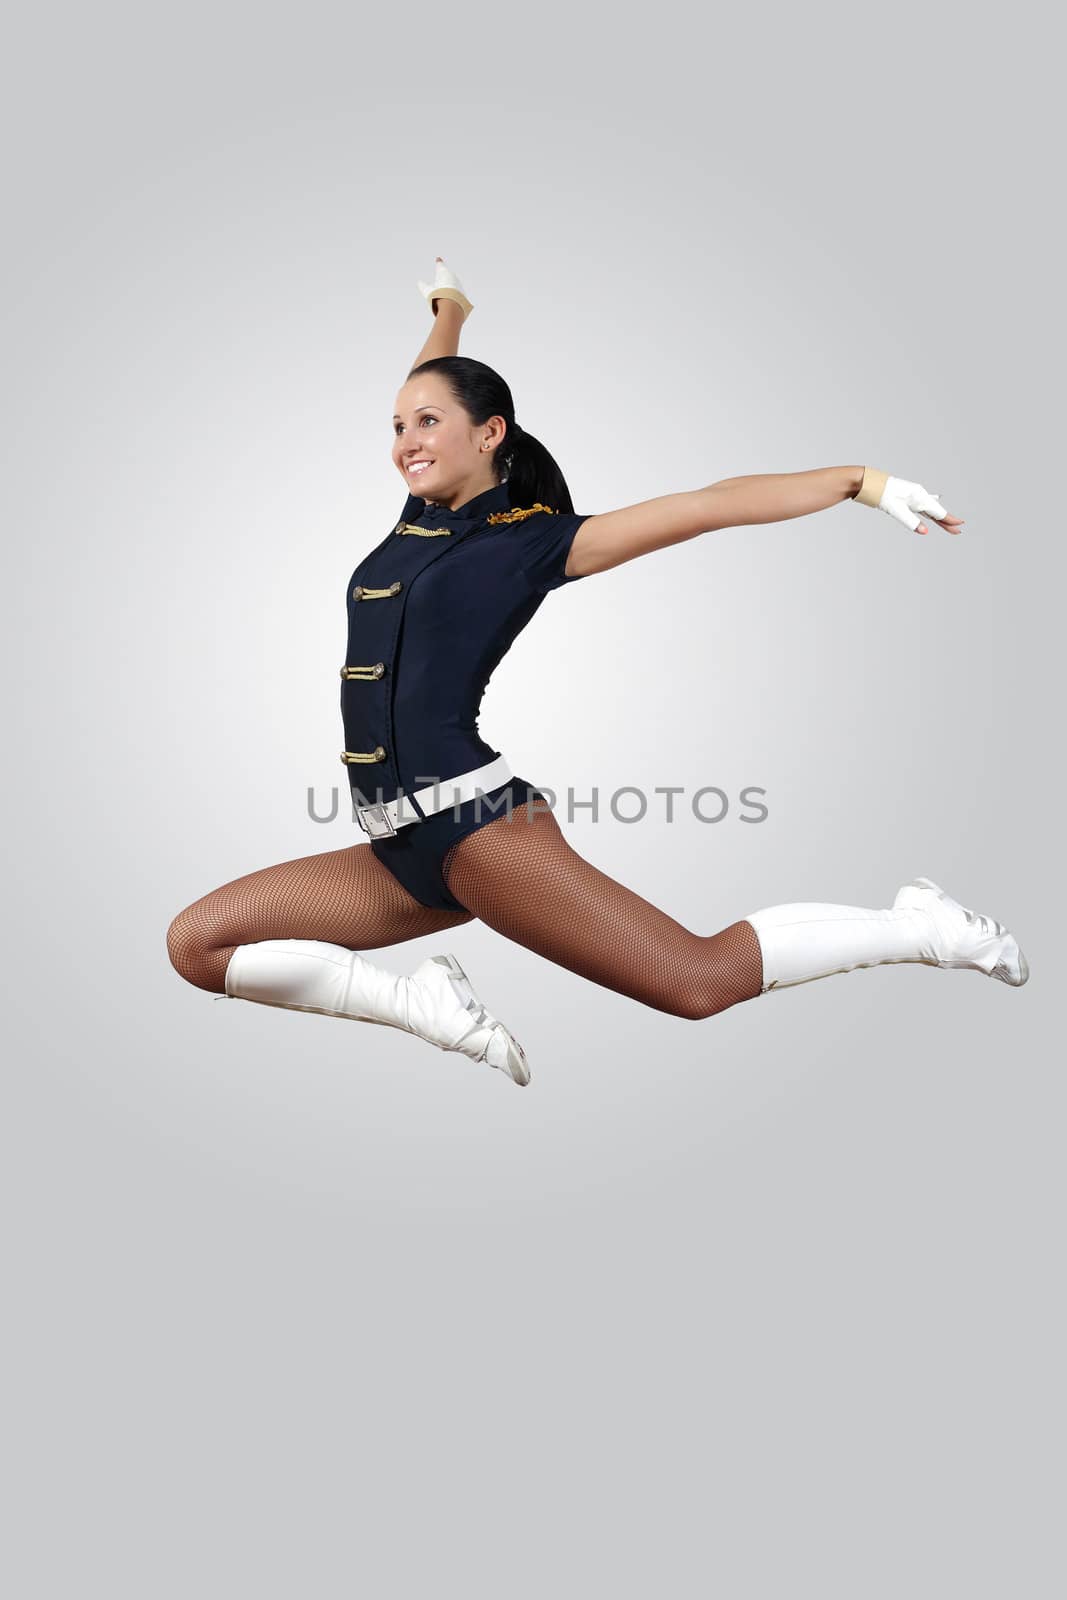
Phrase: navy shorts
(415,852)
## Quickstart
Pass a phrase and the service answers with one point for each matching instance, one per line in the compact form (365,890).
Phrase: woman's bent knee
(699,1007)
(193,958)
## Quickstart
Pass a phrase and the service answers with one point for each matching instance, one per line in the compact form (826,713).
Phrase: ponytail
(533,476)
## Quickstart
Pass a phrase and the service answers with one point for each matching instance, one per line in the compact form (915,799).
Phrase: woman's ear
(492,433)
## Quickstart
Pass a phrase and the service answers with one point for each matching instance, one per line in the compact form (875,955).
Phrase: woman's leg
(341,897)
(521,877)
(290,936)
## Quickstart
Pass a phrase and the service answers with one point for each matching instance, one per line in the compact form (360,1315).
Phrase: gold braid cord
(517,514)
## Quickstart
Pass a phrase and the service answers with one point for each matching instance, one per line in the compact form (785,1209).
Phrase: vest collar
(483,505)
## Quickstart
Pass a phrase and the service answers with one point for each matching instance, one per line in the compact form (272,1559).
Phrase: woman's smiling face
(437,449)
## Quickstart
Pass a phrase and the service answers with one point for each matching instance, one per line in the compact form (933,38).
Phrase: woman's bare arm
(444,335)
(608,540)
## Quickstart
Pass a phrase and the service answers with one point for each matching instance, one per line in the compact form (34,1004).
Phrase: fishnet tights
(519,876)
(343,897)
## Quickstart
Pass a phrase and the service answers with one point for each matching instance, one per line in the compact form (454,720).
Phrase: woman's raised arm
(453,309)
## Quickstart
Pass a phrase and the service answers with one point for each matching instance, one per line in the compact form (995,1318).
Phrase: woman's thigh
(519,875)
(344,897)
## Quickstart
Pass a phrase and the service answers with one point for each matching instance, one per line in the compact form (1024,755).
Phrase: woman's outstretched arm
(616,536)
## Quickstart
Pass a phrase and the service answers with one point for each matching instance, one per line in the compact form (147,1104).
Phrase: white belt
(382,821)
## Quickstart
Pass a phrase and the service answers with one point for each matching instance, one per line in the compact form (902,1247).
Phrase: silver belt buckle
(385,830)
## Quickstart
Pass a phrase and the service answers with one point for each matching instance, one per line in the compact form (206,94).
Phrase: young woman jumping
(487,530)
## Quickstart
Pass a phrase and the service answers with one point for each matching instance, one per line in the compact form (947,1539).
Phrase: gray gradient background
(768,1304)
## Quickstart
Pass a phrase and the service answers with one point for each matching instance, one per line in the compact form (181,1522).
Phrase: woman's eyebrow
(417,410)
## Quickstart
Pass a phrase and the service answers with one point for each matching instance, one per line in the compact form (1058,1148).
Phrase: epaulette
(517,513)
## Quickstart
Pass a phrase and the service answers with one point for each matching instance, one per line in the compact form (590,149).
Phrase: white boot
(806,941)
(436,1003)
(445,286)
(964,938)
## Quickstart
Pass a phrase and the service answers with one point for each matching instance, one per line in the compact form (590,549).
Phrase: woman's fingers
(950,524)
(931,504)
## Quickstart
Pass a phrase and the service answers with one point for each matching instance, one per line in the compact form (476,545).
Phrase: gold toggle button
(361,592)
(351,757)
(376,671)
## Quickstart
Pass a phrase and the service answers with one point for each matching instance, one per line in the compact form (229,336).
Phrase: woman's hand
(902,499)
(450,308)
(445,286)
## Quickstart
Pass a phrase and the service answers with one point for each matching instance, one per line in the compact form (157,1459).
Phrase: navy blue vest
(431,610)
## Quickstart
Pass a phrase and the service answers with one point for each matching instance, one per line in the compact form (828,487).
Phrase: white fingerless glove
(899,498)
(445,286)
